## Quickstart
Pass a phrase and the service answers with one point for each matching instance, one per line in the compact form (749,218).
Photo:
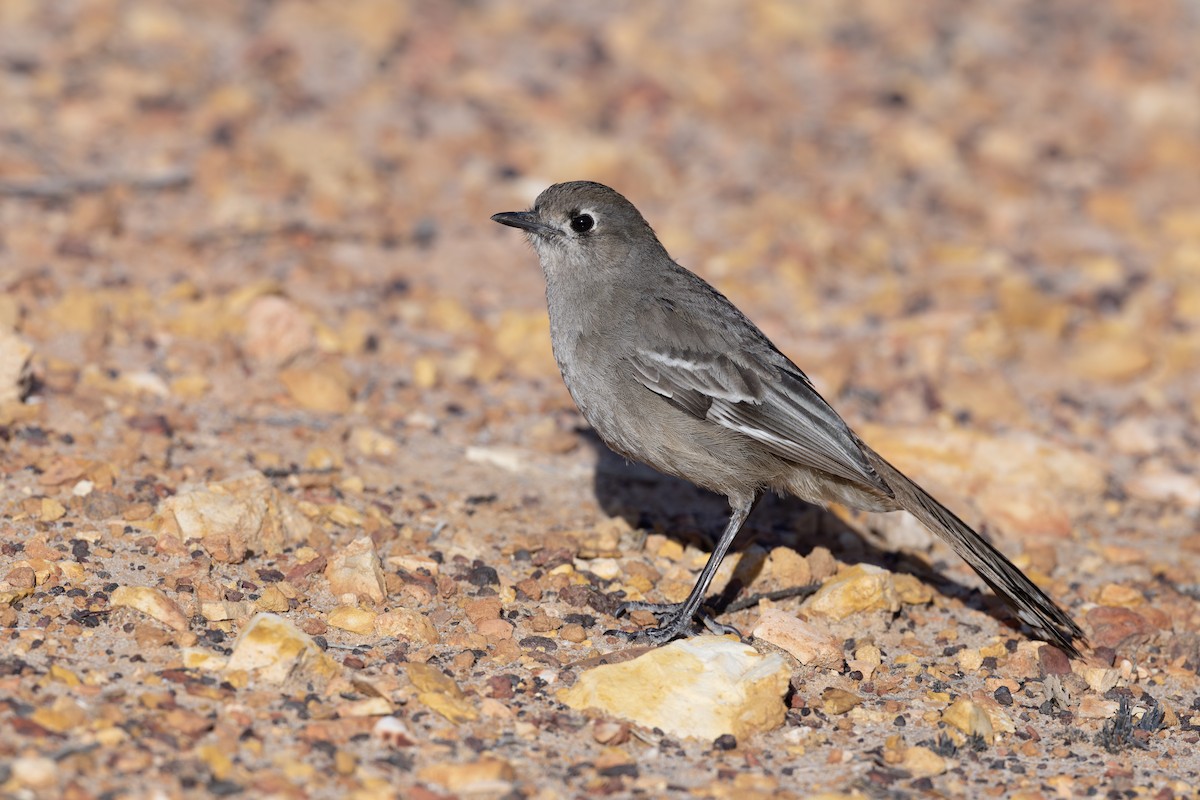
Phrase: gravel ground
(262,352)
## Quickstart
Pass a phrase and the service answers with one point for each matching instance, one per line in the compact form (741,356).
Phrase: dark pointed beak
(526,221)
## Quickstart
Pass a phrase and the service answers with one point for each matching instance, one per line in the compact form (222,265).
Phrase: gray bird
(669,373)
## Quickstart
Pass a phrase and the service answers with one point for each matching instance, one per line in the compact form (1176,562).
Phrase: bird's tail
(1031,605)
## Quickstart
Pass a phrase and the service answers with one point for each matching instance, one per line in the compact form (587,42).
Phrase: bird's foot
(676,622)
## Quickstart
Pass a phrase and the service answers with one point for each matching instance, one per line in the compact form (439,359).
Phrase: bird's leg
(679,616)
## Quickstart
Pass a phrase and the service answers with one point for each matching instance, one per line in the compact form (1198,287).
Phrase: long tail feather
(1031,605)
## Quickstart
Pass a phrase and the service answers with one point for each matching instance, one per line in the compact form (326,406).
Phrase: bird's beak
(526,221)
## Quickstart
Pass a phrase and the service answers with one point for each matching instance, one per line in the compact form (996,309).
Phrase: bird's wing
(750,387)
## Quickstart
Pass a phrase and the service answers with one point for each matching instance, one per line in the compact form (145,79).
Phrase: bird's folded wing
(771,403)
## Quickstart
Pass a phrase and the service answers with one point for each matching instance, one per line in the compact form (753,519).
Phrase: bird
(669,373)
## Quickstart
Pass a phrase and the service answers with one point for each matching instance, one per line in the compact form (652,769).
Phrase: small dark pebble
(619,770)
(1003,696)
(900,721)
(726,741)
(224,788)
(542,643)
(483,575)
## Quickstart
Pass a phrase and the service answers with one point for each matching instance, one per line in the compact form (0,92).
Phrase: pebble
(151,602)
(326,387)
(699,688)
(274,650)
(353,619)
(922,762)
(355,569)
(1118,628)
(234,517)
(787,568)
(809,644)
(441,693)
(405,623)
(854,590)
(838,701)
(968,717)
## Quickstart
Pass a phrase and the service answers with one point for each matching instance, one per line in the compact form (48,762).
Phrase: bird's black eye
(582,223)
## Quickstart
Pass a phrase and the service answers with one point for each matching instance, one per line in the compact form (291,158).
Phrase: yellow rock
(405,623)
(151,602)
(345,762)
(699,688)
(862,587)
(787,568)
(233,517)
(440,693)
(969,660)
(198,658)
(350,618)
(51,510)
(225,610)
(273,649)
(923,762)
(1114,594)
(63,675)
(217,758)
(62,716)
(356,569)
(272,599)
(424,372)
(344,516)
(970,718)
(838,701)
(325,387)
(868,654)
(1099,679)
(911,590)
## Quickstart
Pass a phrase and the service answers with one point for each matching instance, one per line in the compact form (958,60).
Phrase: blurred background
(986,211)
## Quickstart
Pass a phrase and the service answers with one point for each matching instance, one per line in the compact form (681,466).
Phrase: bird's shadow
(651,501)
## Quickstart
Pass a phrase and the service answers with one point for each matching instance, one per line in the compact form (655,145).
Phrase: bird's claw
(674,624)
